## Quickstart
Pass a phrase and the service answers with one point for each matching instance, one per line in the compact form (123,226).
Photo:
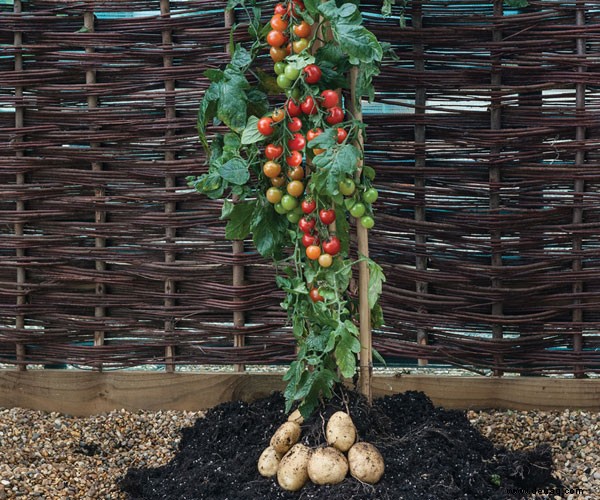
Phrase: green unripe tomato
(367,221)
(370,195)
(289,202)
(279,208)
(293,217)
(293,93)
(347,187)
(279,68)
(283,82)
(358,210)
(298,210)
(291,73)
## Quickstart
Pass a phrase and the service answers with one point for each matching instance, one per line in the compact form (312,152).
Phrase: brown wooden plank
(86,393)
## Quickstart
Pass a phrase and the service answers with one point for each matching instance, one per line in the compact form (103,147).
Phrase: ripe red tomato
(312,74)
(309,106)
(312,133)
(313,252)
(297,142)
(308,206)
(310,239)
(330,98)
(335,115)
(306,225)
(295,124)
(265,125)
(272,152)
(332,245)
(278,23)
(341,135)
(276,38)
(315,296)
(302,30)
(327,216)
(280,9)
(293,109)
(295,159)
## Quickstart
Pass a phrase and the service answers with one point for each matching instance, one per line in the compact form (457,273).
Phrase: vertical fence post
(366,341)
(238,250)
(579,190)
(99,193)
(170,183)
(495,176)
(420,162)
(20,203)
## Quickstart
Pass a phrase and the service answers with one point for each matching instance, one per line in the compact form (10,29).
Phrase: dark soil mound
(429,453)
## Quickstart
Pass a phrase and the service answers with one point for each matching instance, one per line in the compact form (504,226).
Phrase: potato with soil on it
(292,473)
(366,463)
(296,416)
(327,466)
(340,431)
(285,437)
(268,463)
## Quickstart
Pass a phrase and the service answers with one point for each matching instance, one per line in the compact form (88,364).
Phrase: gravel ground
(54,456)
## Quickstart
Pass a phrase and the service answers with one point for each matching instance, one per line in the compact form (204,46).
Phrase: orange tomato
(274,195)
(295,188)
(271,169)
(313,252)
(302,30)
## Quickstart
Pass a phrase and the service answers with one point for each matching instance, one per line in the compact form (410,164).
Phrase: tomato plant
(290,208)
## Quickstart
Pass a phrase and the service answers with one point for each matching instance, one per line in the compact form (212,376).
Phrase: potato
(285,437)
(340,431)
(327,466)
(269,462)
(292,473)
(296,416)
(366,463)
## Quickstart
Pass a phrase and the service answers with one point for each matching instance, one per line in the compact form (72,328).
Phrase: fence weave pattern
(488,168)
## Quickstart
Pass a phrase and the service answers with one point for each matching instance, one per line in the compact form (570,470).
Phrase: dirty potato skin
(285,437)
(366,463)
(340,431)
(327,466)
(292,473)
(269,462)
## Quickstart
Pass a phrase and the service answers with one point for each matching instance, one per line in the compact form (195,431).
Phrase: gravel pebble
(573,435)
(52,456)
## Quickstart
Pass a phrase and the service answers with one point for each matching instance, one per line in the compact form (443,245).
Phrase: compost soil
(429,453)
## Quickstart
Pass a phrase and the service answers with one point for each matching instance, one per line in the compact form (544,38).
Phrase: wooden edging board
(81,393)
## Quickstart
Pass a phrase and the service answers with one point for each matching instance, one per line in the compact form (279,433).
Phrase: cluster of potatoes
(294,463)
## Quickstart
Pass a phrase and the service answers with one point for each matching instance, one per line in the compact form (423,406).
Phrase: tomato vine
(296,173)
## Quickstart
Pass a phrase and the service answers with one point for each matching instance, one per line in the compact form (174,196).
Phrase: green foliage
(516,3)
(325,330)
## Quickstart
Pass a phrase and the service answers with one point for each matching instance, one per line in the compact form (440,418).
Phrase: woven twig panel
(487,165)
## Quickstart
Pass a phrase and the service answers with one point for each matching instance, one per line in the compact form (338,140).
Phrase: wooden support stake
(239,320)
(495,177)
(366,348)
(579,190)
(170,184)
(99,193)
(422,287)
(20,204)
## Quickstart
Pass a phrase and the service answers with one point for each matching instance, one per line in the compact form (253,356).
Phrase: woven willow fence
(484,135)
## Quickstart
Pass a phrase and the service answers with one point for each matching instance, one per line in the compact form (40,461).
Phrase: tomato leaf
(268,230)
(346,26)
(235,171)
(376,280)
(334,165)
(324,140)
(251,135)
(240,219)
(347,348)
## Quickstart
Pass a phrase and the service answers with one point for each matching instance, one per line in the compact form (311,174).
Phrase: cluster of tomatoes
(309,109)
